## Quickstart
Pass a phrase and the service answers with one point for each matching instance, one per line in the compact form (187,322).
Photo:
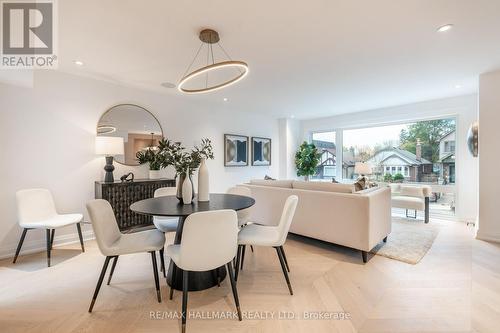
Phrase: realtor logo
(28,30)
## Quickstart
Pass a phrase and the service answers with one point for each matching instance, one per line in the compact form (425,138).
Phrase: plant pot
(180,181)
(187,191)
(154,174)
(203,182)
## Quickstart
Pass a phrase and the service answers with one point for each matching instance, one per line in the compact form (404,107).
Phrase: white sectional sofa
(327,211)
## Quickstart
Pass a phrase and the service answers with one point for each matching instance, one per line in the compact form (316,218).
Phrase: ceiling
(307,58)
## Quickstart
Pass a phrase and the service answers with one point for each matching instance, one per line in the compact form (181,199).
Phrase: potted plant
(151,155)
(307,159)
(185,163)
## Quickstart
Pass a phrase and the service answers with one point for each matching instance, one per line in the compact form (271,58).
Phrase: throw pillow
(266,177)
(360,184)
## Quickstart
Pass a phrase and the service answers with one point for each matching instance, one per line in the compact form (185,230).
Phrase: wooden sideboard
(122,194)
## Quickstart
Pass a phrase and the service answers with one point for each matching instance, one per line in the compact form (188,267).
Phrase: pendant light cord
(227,55)
(192,62)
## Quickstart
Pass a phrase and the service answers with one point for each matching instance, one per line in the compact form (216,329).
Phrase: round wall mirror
(136,125)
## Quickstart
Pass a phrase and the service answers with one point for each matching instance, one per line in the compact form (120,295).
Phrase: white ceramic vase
(203,182)
(187,190)
(154,174)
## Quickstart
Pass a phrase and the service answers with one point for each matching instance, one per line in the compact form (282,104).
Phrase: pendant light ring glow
(240,65)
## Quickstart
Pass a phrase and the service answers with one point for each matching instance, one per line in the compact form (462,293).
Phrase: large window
(325,142)
(420,152)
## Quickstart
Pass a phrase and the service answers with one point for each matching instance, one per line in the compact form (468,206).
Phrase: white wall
(47,140)
(290,139)
(464,108)
(489,156)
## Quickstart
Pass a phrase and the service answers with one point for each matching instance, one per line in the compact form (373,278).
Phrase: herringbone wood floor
(455,288)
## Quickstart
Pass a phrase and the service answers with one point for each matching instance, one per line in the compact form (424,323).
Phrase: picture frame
(236,150)
(261,151)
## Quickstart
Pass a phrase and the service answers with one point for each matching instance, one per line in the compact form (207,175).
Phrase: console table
(122,194)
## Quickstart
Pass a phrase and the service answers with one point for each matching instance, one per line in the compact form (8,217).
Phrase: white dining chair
(275,236)
(36,210)
(199,252)
(112,243)
(243,215)
(165,224)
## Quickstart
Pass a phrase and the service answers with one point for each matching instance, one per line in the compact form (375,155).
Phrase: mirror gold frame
(110,109)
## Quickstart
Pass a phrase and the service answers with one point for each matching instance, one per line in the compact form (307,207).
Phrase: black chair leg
(235,291)
(238,258)
(79,228)
(155,272)
(244,249)
(283,267)
(251,248)
(112,269)
(162,262)
(99,282)
(49,246)
(385,239)
(184,299)
(282,249)
(52,238)
(21,241)
(364,255)
(174,272)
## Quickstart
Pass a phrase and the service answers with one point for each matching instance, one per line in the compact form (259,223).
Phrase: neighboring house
(447,158)
(396,160)
(328,165)
(348,162)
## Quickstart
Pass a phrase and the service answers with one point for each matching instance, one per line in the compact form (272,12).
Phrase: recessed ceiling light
(168,85)
(458,86)
(292,116)
(445,27)
(225,99)
(78,62)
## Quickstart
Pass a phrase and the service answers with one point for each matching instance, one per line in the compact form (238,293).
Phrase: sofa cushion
(274,183)
(323,186)
(406,202)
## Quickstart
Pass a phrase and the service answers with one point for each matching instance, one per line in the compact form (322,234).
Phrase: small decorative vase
(180,181)
(187,190)
(203,182)
(154,174)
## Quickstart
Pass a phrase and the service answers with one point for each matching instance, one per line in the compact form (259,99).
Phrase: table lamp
(109,146)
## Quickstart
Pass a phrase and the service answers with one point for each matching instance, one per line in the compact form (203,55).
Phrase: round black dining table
(171,206)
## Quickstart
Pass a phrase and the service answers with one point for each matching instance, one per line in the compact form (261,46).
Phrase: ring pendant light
(210,37)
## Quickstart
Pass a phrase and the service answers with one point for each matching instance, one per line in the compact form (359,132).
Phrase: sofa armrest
(379,217)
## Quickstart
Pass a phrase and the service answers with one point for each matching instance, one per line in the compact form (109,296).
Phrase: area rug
(409,240)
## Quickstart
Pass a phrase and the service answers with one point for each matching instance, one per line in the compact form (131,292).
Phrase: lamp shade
(109,145)
(362,168)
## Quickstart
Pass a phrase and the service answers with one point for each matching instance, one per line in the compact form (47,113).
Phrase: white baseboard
(40,245)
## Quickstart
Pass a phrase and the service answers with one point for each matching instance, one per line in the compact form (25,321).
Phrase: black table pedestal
(197,280)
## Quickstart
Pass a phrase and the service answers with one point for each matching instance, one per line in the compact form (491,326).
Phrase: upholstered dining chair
(165,224)
(243,215)
(274,236)
(112,243)
(198,251)
(36,210)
